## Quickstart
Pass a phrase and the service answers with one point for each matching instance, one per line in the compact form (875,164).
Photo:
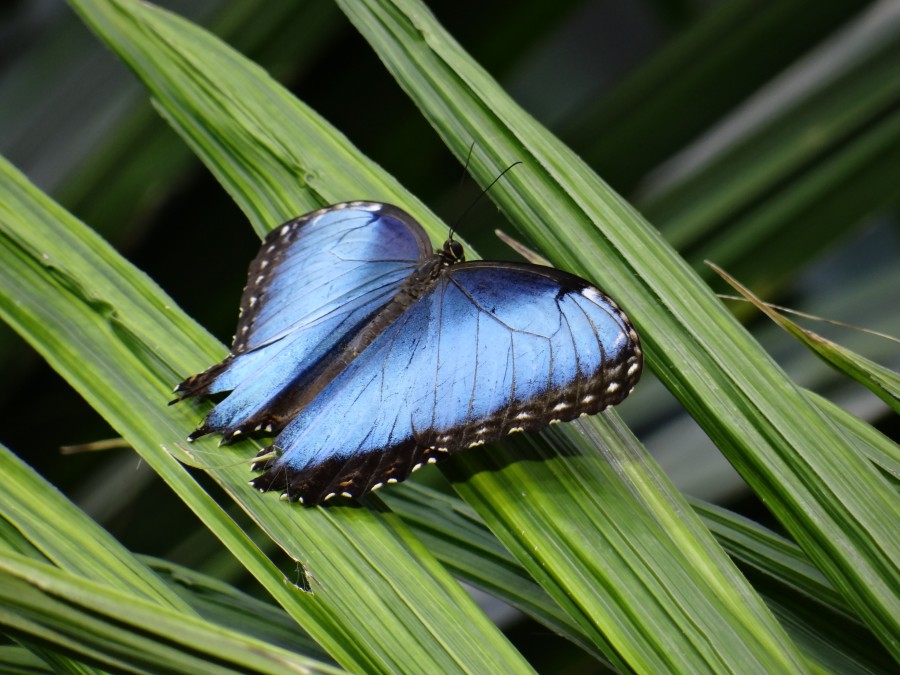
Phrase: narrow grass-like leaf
(458,537)
(599,527)
(807,605)
(196,108)
(63,535)
(881,381)
(831,499)
(68,538)
(677,78)
(261,131)
(121,343)
(869,442)
(805,602)
(123,632)
(771,554)
(19,661)
(226,606)
(792,183)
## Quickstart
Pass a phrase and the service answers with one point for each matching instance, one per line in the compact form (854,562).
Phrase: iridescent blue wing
(315,282)
(487,349)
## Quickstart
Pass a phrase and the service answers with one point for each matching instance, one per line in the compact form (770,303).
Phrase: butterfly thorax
(416,285)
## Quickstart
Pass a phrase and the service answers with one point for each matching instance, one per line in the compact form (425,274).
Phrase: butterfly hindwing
(316,280)
(488,349)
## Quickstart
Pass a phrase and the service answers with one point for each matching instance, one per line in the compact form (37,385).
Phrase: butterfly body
(369,354)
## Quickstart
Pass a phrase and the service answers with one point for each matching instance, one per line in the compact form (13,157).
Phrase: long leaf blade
(121,343)
(840,510)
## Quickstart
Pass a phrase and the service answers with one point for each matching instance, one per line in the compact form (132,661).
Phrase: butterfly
(367,353)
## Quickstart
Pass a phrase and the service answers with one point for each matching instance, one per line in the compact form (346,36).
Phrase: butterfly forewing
(315,282)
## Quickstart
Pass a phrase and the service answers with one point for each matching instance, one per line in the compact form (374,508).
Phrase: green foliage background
(764,139)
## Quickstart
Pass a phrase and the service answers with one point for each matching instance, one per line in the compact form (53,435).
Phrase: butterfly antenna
(483,193)
(465,171)
(462,177)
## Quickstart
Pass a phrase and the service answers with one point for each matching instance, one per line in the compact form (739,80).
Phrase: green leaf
(119,631)
(18,661)
(881,381)
(869,442)
(798,461)
(379,600)
(120,342)
(678,77)
(812,612)
(226,606)
(240,135)
(807,605)
(278,159)
(57,531)
(458,537)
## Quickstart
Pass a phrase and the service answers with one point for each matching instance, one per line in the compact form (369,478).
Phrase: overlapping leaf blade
(799,462)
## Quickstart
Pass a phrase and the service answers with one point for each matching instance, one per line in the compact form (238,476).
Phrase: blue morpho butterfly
(370,354)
